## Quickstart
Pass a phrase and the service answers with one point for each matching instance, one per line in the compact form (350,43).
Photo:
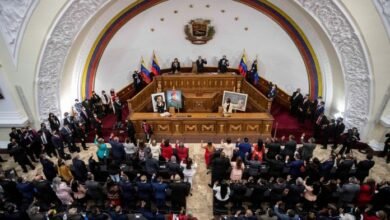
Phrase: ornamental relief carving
(13,14)
(60,40)
(351,54)
(383,7)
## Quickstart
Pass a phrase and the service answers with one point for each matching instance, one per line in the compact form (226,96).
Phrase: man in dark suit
(200,64)
(58,144)
(303,108)
(180,190)
(363,168)
(219,167)
(319,123)
(339,129)
(118,112)
(15,134)
(307,147)
(349,191)
(130,131)
(223,64)
(273,147)
(175,66)
(68,134)
(117,149)
(19,154)
(295,101)
(44,193)
(290,146)
(327,130)
(313,108)
(28,142)
(80,170)
(44,138)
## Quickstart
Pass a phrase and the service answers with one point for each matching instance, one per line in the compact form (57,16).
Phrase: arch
(285,22)
(331,17)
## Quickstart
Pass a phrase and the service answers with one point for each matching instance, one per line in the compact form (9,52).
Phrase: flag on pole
(242,67)
(145,72)
(155,66)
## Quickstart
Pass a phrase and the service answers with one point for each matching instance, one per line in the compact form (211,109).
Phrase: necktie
(44,141)
(319,120)
(105,97)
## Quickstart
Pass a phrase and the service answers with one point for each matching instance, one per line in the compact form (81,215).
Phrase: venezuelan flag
(155,66)
(242,67)
(145,72)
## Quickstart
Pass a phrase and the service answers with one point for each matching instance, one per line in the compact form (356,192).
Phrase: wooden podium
(201,117)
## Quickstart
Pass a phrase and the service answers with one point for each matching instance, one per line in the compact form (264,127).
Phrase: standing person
(244,147)
(349,142)
(98,125)
(307,147)
(19,154)
(295,101)
(223,64)
(237,169)
(68,134)
(58,144)
(159,188)
(180,190)
(272,91)
(363,168)
(81,134)
(386,149)
(102,151)
(137,81)
(80,170)
(339,129)
(54,122)
(166,150)
(219,168)
(130,129)
(222,193)
(148,130)
(130,149)
(200,62)
(228,148)
(96,102)
(181,151)
(64,171)
(303,108)
(49,169)
(117,149)
(118,112)
(209,150)
(175,66)
(45,141)
(189,170)
(106,101)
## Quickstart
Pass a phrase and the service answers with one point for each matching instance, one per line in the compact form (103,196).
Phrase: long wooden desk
(205,126)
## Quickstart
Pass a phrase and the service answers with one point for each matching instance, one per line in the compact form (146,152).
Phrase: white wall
(280,60)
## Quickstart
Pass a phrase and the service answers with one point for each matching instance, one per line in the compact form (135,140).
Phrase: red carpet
(285,124)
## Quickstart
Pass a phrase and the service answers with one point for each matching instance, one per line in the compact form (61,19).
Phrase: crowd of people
(279,179)
(144,179)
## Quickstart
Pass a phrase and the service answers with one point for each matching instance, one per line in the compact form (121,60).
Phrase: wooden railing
(142,99)
(282,97)
(256,98)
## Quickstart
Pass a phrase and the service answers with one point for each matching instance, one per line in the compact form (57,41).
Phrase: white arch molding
(57,46)
(331,17)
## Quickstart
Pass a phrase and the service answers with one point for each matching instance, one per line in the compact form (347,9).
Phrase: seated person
(228,107)
(175,66)
(223,64)
(200,64)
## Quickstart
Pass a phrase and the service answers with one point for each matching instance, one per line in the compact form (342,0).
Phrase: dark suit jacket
(175,68)
(17,136)
(200,64)
(117,150)
(80,170)
(363,168)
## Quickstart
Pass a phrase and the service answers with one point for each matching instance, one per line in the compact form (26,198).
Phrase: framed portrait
(158,102)
(174,99)
(238,100)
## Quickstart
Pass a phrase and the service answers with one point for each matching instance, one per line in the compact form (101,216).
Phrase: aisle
(200,203)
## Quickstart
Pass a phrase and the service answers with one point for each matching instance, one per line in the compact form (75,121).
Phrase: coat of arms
(199,31)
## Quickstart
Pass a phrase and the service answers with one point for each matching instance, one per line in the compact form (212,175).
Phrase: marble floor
(200,203)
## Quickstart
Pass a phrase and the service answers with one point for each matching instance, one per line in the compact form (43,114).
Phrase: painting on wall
(1,94)
(174,99)
(238,100)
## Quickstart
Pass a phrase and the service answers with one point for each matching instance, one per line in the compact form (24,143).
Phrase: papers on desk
(165,114)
